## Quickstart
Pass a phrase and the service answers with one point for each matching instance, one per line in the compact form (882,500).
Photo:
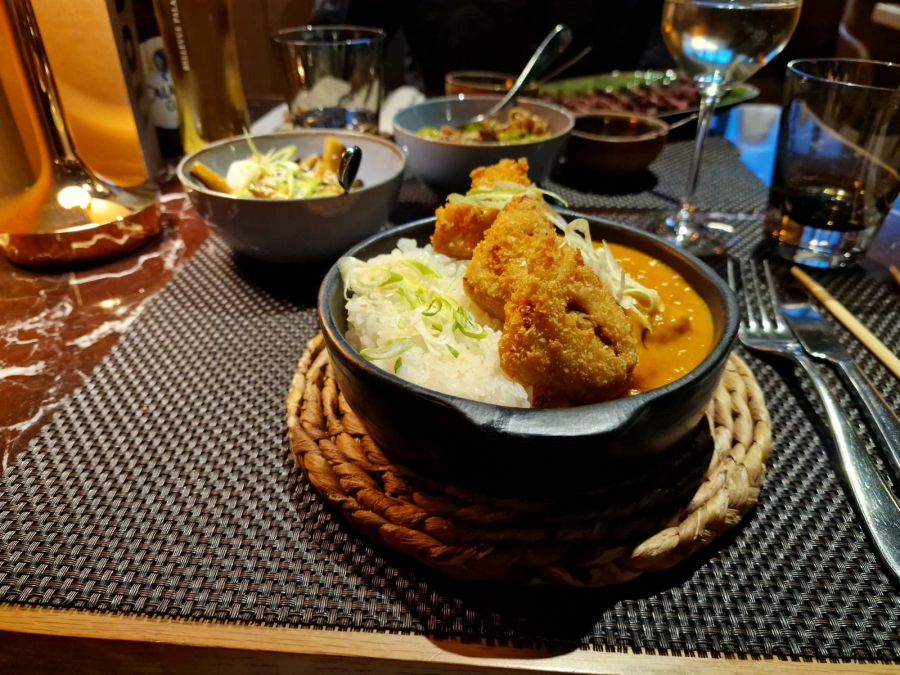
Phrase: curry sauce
(682,333)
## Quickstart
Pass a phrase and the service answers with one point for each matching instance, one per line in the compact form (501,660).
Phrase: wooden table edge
(41,637)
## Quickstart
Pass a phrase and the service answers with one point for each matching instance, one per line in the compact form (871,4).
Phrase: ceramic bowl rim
(289,35)
(560,416)
(475,72)
(570,121)
(189,181)
(661,127)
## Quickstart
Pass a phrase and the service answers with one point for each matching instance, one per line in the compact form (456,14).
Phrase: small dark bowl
(614,144)
(445,166)
(510,450)
(481,82)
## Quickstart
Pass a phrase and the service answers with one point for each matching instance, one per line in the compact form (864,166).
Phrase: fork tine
(736,282)
(773,296)
(750,303)
(729,268)
(762,300)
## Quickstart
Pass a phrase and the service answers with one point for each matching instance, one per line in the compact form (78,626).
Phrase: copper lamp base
(81,219)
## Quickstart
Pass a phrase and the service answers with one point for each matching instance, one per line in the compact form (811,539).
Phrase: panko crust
(503,254)
(504,171)
(564,333)
(459,228)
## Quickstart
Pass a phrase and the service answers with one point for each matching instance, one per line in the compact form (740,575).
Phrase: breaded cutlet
(504,252)
(564,334)
(460,226)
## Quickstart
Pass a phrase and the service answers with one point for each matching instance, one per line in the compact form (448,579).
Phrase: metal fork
(763,330)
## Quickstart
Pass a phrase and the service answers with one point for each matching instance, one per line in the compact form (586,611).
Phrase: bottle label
(158,82)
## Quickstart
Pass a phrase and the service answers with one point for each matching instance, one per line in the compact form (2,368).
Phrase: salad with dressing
(279,173)
(520,126)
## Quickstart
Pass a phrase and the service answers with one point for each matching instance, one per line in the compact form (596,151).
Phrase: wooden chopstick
(896,273)
(851,323)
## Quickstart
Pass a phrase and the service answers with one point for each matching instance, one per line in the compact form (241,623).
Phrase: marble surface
(56,327)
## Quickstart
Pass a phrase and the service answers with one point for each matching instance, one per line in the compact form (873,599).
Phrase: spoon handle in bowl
(556,41)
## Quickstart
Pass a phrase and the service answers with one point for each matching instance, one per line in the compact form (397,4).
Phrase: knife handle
(882,419)
(874,500)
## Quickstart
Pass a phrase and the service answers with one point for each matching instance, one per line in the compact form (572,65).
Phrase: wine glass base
(696,234)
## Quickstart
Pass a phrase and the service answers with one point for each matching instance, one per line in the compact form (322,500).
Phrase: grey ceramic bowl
(298,230)
(563,450)
(445,166)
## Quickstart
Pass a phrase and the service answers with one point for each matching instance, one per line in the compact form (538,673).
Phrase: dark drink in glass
(836,173)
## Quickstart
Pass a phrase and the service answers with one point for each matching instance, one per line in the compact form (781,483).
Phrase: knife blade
(821,342)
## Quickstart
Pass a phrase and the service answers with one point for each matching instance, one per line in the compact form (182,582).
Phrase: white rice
(468,367)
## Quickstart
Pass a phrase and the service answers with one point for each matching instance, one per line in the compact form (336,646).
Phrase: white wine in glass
(719,43)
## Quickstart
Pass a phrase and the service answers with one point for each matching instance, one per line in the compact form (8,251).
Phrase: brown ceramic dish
(614,144)
(481,82)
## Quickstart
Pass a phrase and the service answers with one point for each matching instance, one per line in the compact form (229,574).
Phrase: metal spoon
(556,41)
(348,167)
(565,66)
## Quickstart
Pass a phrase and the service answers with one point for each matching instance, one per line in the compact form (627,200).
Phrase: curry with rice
(513,305)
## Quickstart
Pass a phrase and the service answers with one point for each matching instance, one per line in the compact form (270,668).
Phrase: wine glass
(719,43)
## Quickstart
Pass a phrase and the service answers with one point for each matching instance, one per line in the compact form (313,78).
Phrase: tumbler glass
(334,75)
(837,170)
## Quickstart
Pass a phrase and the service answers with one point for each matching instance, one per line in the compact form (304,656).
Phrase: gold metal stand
(70,215)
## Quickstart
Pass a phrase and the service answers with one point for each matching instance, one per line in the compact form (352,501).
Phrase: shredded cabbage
(631,295)
(501,194)
(424,314)
(275,175)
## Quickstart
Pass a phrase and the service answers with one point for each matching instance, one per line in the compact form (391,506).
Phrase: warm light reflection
(73,196)
(110,303)
(708,50)
(106,211)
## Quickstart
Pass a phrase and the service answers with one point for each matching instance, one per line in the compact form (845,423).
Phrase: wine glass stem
(709,99)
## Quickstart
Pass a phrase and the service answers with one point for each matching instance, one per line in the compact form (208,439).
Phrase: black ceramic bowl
(562,450)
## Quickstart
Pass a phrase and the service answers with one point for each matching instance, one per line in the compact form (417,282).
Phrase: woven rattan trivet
(475,536)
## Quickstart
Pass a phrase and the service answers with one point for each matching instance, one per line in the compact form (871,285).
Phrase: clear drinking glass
(334,75)
(718,43)
(837,171)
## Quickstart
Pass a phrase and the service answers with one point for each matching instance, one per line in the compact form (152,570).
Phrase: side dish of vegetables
(279,174)
(520,127)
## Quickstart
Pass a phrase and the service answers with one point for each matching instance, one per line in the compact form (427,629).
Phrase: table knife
(820,341)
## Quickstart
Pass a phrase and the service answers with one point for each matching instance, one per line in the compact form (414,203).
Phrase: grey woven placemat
(725,184)
(165,487)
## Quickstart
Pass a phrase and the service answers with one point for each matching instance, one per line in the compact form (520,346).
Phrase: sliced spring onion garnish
(463,322)
(422,268)
(433,308)
(453,352)
(410,299)
(631,295)
(501,194)
(389,350)
(274,175)
(392,278)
